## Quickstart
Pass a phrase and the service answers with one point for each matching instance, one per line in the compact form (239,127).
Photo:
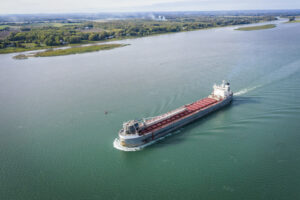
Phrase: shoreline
(69,51)
(19,50)
(256,28)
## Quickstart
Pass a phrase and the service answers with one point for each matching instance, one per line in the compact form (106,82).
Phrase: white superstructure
(221,91)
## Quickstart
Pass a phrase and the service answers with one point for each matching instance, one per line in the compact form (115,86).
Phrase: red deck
(191,108)
(200,104)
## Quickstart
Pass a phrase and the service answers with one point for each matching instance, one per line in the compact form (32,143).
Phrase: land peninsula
(69,51)
(254,28)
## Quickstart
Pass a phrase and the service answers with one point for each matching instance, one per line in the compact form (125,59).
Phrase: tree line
(98,31)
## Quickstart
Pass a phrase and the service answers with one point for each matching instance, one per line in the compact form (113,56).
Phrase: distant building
(161,18)
(158,18)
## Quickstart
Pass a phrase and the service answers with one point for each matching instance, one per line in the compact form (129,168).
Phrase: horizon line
(173,11)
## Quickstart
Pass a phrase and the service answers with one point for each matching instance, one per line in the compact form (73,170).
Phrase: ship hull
(149,138)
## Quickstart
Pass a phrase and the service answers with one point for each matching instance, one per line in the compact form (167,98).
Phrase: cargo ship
(137,134)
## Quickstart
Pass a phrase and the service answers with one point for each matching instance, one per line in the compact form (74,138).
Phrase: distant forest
(34,18)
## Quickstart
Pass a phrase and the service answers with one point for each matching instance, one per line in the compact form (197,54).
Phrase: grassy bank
(69,51)
(254,28)
(20,49)
(33,48)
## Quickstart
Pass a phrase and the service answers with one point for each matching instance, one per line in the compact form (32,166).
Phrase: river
(56,142)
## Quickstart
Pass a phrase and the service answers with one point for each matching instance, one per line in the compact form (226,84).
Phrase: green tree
(94,37)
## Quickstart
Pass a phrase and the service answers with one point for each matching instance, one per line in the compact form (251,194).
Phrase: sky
(91,6)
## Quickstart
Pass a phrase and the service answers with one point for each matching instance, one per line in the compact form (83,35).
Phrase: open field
(52,24)
(254,28)
(3,27)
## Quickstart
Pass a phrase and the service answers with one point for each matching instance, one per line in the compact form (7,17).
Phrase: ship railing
(167,115)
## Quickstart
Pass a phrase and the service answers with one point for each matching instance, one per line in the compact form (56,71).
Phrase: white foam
(118,146)
(279,74)
(246,90)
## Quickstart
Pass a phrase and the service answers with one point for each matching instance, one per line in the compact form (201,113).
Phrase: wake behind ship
(137,134)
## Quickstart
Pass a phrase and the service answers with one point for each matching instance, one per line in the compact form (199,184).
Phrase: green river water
(56,142)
